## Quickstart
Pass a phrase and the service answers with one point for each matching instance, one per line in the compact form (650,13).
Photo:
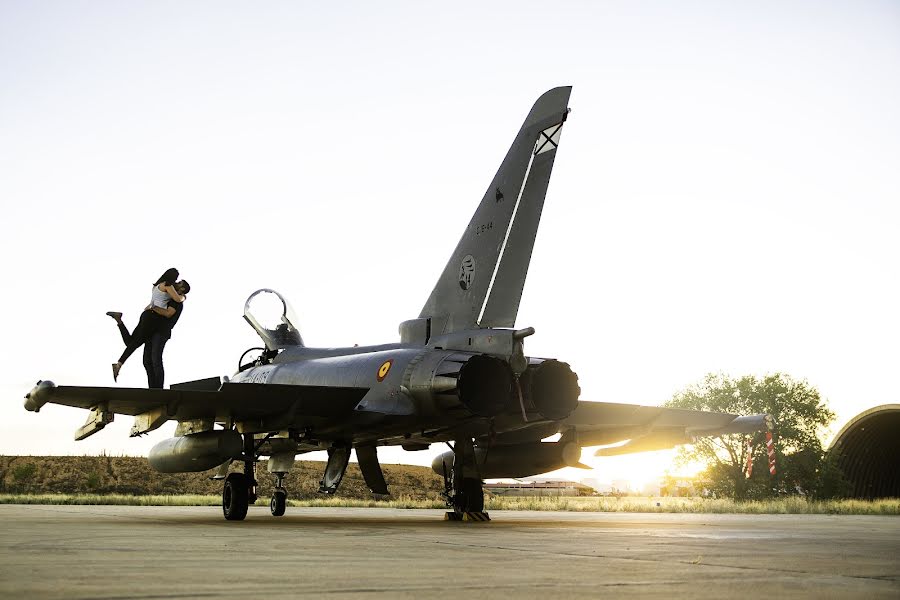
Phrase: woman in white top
(163,292)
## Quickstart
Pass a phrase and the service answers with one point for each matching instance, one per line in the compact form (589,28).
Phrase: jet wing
(238,401)
(652,427)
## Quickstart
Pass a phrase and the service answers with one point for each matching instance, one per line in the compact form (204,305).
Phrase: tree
(800,415)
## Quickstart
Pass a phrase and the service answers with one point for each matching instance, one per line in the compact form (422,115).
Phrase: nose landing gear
(278,504)
(280,464)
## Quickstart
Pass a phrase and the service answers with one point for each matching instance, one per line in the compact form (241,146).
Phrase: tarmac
(140,552)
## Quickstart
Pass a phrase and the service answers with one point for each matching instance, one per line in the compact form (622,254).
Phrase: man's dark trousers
(153,363)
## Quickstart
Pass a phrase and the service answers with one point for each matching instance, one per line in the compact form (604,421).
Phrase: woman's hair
(169,277)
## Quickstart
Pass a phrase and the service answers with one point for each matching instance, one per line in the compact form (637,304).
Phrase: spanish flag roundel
(384,369)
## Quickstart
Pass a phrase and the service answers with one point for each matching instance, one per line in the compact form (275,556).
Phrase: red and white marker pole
(748,470)
(770,448)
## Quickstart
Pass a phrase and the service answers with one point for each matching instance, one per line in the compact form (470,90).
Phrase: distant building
(539,488)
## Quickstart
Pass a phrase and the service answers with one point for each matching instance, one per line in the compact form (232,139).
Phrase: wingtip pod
(38,396)
(753,423)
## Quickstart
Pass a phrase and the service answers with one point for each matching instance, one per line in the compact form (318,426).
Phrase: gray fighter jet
(459,375)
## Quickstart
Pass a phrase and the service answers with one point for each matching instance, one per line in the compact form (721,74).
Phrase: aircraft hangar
(869,447)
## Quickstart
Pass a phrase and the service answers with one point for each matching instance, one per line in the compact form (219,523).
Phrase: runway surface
(191,552)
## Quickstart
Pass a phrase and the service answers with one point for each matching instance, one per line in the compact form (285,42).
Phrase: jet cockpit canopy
(273,319)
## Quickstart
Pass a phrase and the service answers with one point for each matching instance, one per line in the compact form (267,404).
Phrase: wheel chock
(467,516)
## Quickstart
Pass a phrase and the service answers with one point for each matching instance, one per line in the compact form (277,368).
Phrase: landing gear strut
(279,465)
(239,491)
(462,483)
(279,498)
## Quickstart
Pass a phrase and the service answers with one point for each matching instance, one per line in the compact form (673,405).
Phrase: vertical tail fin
(481,286)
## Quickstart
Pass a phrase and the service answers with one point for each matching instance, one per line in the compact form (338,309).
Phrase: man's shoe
(115,315)
(116,367)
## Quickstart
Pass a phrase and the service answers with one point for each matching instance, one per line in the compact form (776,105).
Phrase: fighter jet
(458,375)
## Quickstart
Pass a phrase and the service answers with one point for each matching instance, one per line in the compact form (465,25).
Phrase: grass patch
(133,476)
(204,500)
(792,505)
(112,499)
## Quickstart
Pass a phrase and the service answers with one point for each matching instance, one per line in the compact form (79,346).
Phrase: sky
(724,199)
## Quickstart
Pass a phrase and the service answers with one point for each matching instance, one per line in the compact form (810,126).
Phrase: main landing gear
(235,497)
(462,485)
(239,491)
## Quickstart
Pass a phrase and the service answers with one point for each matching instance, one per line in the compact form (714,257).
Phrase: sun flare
(630,473)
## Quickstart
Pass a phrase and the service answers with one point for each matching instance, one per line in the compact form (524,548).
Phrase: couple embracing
(154,327)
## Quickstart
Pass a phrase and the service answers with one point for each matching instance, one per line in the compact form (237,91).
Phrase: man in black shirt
(161,330)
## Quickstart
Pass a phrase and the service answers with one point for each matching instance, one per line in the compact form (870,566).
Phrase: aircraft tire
(278,503)
(235,497)
(473,495)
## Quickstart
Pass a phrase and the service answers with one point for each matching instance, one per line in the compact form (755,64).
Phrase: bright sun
(630,472)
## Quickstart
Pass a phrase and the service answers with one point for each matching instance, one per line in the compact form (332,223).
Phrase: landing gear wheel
(278,503)
(471,496)
(235,497)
